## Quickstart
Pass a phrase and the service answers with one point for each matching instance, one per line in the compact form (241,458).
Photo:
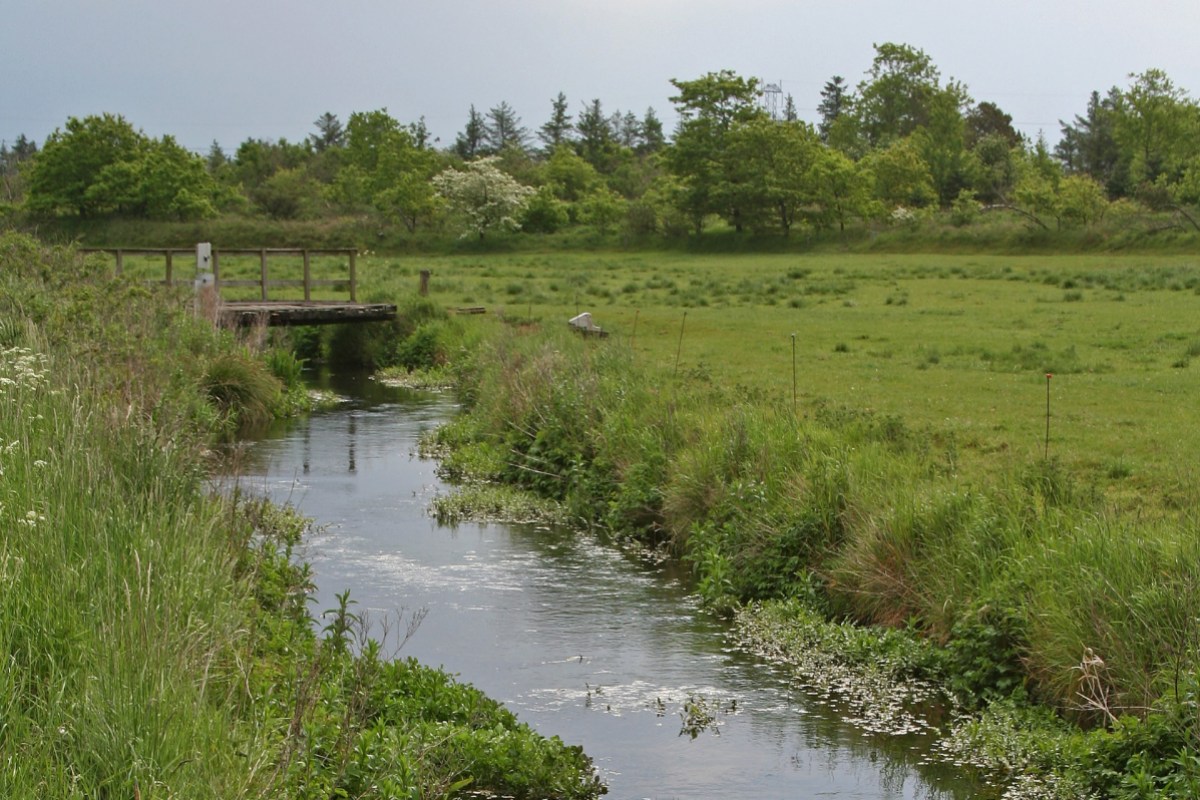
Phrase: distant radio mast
(771,92)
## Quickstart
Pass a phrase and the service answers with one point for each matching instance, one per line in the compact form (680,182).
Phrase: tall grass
(122,616)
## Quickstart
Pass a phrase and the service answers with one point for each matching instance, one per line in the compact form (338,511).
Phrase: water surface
(581,640)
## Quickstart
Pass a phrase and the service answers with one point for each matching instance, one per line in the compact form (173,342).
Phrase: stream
(581,640)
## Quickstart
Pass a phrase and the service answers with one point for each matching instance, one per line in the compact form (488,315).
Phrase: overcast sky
(228,70)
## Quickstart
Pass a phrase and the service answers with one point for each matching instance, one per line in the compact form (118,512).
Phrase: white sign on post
(204,271)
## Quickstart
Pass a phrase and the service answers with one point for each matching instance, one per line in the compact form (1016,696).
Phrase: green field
(955,345)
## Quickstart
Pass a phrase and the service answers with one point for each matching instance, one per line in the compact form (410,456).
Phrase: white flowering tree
(485,197)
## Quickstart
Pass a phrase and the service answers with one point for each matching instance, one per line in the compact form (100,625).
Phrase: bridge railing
(264,280)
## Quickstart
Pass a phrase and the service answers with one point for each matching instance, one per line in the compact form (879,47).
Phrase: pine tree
(470,142)
(653,138)
(557,129)
(833,103)
(789,109)
(502,129)
(330,133)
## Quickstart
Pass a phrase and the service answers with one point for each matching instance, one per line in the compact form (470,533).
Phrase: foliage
(13,162)
(483,197)
(902,177)
(72,160)
(384,168)
(771,165)
(900,96)
(545,213)
(502,129)
(557,130)
(100,164)
(708,108)
(289,193)
(916,140)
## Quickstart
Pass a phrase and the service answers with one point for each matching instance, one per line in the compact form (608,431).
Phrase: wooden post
(168,279)
(424,283)
(307,279)
(353,278)
(262,271)
(120,261)
(216,273)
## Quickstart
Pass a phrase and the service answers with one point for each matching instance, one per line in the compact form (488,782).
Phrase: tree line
(902,144)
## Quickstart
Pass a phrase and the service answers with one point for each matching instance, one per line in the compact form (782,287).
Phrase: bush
(423,349)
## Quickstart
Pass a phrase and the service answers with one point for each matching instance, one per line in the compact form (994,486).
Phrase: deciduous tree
(988,119)
(708,108)
(383,168)
(841,188)
(899,95)
(483,197)
(901,175)
(1157,125)
(72,160)
(770,170)
(100,164)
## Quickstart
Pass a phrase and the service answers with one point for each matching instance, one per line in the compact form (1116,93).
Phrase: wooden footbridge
(261,273)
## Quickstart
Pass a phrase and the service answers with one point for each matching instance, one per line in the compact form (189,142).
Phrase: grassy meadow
(956,346)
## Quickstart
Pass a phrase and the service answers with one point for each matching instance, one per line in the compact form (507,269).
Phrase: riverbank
(158,639)
(1056,620)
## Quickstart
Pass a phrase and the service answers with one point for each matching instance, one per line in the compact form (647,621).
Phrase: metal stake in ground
(679,348)
(1049,375)
(793,374)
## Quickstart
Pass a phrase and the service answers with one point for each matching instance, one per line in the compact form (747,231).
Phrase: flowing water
(581,640)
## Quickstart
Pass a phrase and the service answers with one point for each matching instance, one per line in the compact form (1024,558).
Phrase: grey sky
(232,69)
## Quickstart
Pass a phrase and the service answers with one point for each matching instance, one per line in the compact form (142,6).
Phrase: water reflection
(581,640)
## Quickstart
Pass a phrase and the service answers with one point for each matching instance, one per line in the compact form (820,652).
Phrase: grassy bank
(1036,593)
(955,346)
(156,639)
